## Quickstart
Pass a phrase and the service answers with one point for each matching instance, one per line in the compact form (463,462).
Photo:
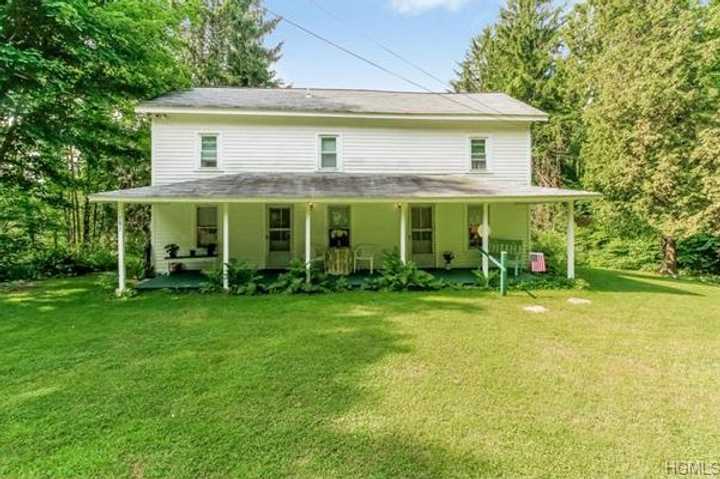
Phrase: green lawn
(451,384)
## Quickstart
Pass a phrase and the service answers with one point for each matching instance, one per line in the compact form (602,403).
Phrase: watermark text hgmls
(693,468)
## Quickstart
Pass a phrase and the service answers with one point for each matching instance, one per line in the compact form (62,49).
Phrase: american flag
(537,262)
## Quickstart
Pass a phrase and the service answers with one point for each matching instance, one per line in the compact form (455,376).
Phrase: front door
(421,233)
(279,236)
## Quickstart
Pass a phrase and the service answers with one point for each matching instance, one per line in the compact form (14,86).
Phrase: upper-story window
(478,154)
(329,152)
(209,150)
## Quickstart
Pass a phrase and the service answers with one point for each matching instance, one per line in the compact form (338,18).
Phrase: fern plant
(295,281)
(243,279)
(399,276)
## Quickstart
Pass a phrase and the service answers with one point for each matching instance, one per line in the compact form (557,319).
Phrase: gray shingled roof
(344,101)
(315,186)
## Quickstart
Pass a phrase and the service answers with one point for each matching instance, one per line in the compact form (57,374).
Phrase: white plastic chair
(364,252)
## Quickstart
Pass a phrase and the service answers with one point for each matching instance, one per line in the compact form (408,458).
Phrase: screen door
(421,233)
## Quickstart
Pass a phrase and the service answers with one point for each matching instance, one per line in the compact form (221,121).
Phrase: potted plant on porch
(448,256)
(172,250)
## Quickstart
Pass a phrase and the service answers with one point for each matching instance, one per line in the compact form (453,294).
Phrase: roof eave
(150,109)
(111,198)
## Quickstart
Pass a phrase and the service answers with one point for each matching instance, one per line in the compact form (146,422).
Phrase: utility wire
(385,48)
(388,50)
(374,64)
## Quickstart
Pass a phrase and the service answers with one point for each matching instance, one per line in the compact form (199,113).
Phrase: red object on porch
(537,262)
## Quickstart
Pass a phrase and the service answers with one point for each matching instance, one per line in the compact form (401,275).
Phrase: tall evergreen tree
(519,56)
(226,44)
(643,66)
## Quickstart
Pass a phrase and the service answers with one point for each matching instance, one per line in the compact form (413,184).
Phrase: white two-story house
(265,175)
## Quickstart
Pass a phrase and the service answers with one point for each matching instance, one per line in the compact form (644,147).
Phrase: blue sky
(432,33)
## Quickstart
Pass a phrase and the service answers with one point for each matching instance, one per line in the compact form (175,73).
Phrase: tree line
(71,73)
(631,88)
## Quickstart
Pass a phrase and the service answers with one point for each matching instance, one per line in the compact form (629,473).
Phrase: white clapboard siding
(290,145)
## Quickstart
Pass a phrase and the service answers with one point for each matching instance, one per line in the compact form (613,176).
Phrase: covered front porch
(268,219)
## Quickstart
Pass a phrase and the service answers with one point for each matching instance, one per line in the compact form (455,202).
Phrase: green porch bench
(515,249)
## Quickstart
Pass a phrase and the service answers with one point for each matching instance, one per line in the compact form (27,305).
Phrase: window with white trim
(478,154)
(329,155)
(209,146)
(207,226)
(474,226)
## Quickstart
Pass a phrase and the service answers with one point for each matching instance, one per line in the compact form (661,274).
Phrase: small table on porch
(338,261)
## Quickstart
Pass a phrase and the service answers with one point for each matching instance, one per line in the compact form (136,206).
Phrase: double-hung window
(478,154)
(329,152)
(209,150)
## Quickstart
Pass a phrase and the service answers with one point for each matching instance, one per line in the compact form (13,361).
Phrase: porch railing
(502,266)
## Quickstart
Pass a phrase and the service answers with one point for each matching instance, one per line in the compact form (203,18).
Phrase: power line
(375,64)
(381,46)
(447,86)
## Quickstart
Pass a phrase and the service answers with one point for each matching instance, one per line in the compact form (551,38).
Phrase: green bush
(546,281)
(243,279)
(294,281)
(554,247)
(102,259)
(491,282)
(597,249)
(23,261)
(399,276)
(700,254)
(341,284)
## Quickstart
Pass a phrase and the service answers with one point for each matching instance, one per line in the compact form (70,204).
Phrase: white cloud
(413,7)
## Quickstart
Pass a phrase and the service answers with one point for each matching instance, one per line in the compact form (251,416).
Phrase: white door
(422,236)
(279,236)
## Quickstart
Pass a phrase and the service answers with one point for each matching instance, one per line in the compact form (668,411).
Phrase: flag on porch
(537,262)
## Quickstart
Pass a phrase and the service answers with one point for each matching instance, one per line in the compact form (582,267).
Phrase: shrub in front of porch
(295,281)
(398,276)
(243,279)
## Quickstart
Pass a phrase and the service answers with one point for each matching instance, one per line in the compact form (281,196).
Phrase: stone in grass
(535,309)
(579,301)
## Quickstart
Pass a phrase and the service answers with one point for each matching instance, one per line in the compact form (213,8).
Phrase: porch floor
(196,279)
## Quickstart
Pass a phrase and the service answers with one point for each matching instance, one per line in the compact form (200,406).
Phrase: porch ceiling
(327,187)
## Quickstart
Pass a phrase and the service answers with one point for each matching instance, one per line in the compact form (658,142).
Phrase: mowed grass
(450,384)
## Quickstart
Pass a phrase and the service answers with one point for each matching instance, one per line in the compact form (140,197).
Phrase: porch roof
(326,187)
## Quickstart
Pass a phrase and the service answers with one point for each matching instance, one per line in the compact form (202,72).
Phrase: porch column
(121,247)
(486,239)
(571,240)
(403,232)
(308,239)
(226,245)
